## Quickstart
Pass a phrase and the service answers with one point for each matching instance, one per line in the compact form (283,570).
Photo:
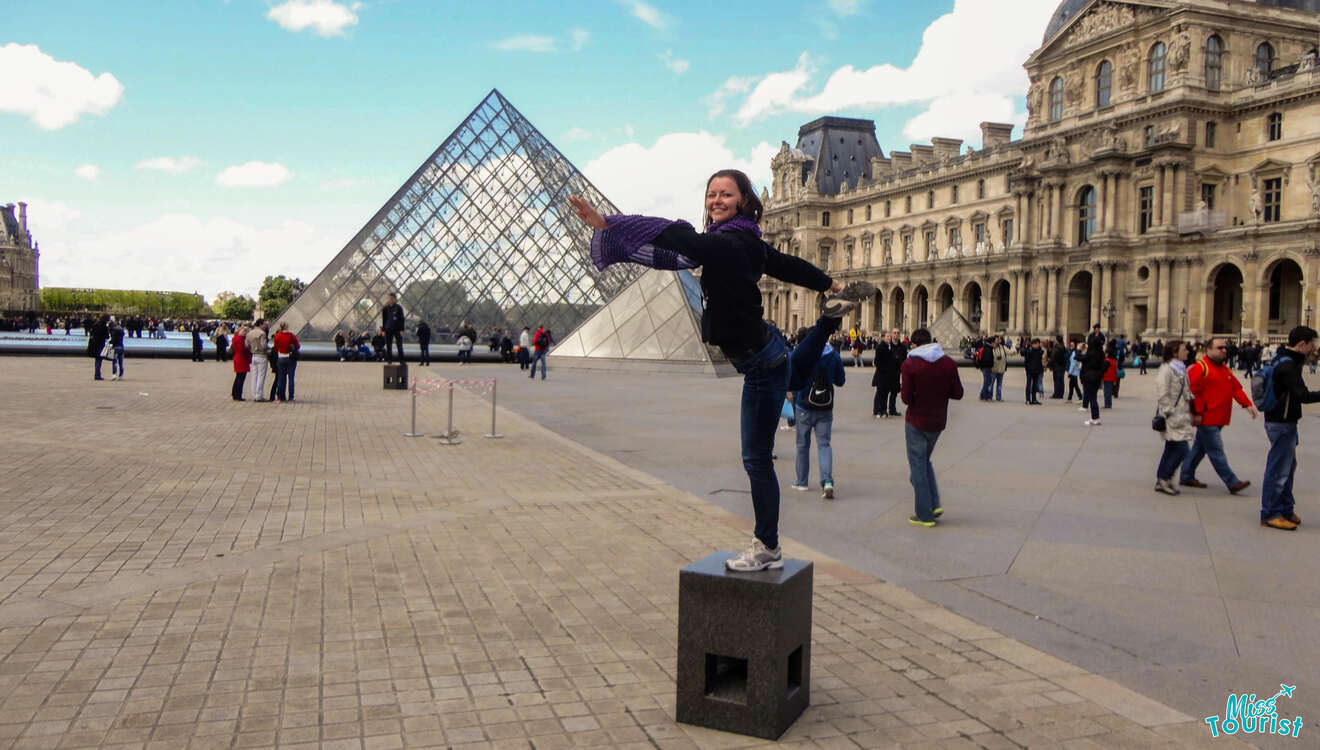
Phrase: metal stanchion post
(494,394)
(451,435)
(413,432)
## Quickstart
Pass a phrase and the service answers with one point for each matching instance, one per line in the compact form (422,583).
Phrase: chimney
(995,134)
(881,166)
(923,154)
(22,218)
(902,160)
(946,148)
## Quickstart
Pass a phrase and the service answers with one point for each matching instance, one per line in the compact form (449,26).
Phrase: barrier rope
(431,385)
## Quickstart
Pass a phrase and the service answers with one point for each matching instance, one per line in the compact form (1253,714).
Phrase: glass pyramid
(482,232)
(656,318)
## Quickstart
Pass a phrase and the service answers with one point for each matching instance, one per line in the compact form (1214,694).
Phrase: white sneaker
(114,377)
(756,557)
(799,487)
(1092,422)
(828,492)
(1081,408)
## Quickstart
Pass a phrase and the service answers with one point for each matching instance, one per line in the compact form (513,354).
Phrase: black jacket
(1093,362)
(423,333)
(1290,388)
(1059,357)
(1035,361)
(391,318)
(888,359)
(732,264)
(100,332)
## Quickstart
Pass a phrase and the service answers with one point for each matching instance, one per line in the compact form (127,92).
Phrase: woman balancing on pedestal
(733,259)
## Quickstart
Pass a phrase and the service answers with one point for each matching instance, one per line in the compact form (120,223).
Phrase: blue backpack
(1262,385)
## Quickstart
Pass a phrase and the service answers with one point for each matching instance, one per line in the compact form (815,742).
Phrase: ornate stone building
(1168,182)
(18,261)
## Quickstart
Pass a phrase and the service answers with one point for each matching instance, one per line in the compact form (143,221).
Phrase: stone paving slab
(181,571)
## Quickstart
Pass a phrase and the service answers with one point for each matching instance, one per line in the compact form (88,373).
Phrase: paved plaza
(178,570)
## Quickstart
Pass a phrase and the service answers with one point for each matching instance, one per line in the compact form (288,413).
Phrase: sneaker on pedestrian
(828,493)
(1165,486)
(114,377)
(799,487)
(1092,423)
(918,522)
(756,557)
(937,512)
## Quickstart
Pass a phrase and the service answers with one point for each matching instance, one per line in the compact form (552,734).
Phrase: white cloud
(169,164)
(324,17)
(50,92)
(89,172)
(669,178)
(221,252)
(679,67)
(254,174)
(578,39)
(845,8)
(526,43)
(976,49)
(647,14)
(577,134)
(50,216)
(959,115)
(718,100)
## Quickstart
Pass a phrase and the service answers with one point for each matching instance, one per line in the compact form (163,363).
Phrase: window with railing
(1208,195)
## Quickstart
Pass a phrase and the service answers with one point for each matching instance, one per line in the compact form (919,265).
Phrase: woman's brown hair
(750,206)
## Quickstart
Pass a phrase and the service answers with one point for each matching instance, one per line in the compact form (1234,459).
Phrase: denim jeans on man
(117,365)
(987,383)
(1033,385)
(282,378)
(1276,492)
(821,422)
(920,446)
(767,375)
(1109,394)
(1174,453)
(539,356)
(999,386)
(1209,442)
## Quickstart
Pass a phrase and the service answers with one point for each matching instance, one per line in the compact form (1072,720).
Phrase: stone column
(1159,194)
(1024,322)
(1153,308)
(1017,218)
(1097,295)
(1013,292)
(1260,310)
(1166,295)
(1102,204)
(1047,221)
(1030,198)
(1115,203)
(1058,322)
(1048,326)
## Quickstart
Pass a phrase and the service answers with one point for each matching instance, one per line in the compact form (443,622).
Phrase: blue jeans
(1033,385)
(426,352)
(282,378)
(539,356)
(118,363)
(1174,453)
(999,386)
(1109,394)
(987,384)
(96,364)
(821,422)
(767,375)
(1209,442)
(1276,492)
(920,446)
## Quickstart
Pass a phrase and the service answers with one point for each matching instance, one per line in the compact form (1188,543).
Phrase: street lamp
(1183,333)
(1308,313)
(1108,311)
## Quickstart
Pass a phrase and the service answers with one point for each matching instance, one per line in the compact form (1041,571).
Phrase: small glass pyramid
(482,232)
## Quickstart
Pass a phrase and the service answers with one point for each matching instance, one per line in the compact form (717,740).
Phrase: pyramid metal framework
(482,232)
(656,319)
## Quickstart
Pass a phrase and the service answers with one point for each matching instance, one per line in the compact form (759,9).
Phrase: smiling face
(722,199)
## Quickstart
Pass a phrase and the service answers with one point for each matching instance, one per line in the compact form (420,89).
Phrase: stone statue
(1315,197)
(1253,204)
(1073,89)
(1181,52)
(1308,62)
(1033,98)
(1130,67)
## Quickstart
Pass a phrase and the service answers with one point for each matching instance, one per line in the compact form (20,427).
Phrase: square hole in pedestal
(726,678)
(794,671)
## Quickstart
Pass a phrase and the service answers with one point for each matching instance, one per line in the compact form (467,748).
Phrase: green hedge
(56,299)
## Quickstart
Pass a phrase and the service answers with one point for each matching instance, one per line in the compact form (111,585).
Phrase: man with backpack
(541,344)
(985,361)
(814,411)
(1214,388)
(1280,391)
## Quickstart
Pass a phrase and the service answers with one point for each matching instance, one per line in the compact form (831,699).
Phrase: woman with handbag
(1173,414)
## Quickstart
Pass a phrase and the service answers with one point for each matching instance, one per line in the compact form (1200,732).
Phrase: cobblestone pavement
(178,570)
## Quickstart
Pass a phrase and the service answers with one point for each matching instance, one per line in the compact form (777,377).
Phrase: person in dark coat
(889,355)
(1094,365)
(1058,360)
(1034,362)
(100,332)
(424,342)
(391,324)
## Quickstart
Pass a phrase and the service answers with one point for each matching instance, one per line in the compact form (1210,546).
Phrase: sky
(201,145)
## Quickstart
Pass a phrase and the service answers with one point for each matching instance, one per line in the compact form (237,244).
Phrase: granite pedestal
(396,377)
(744,646)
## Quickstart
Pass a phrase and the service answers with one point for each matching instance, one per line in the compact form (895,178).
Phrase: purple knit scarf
(627,239)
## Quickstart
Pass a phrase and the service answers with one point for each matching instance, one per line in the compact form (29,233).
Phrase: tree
(232,306)
(277,293)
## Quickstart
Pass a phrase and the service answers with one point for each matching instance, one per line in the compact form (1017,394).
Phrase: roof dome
(1068,10)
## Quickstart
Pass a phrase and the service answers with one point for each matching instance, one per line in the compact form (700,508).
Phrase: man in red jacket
(1214,388)
(930,379)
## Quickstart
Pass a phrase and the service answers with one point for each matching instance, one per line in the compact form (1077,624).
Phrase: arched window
(1056,99)
(1264,59)
(1155,63)
(1214,62)
(1085,214)
(1104,83)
